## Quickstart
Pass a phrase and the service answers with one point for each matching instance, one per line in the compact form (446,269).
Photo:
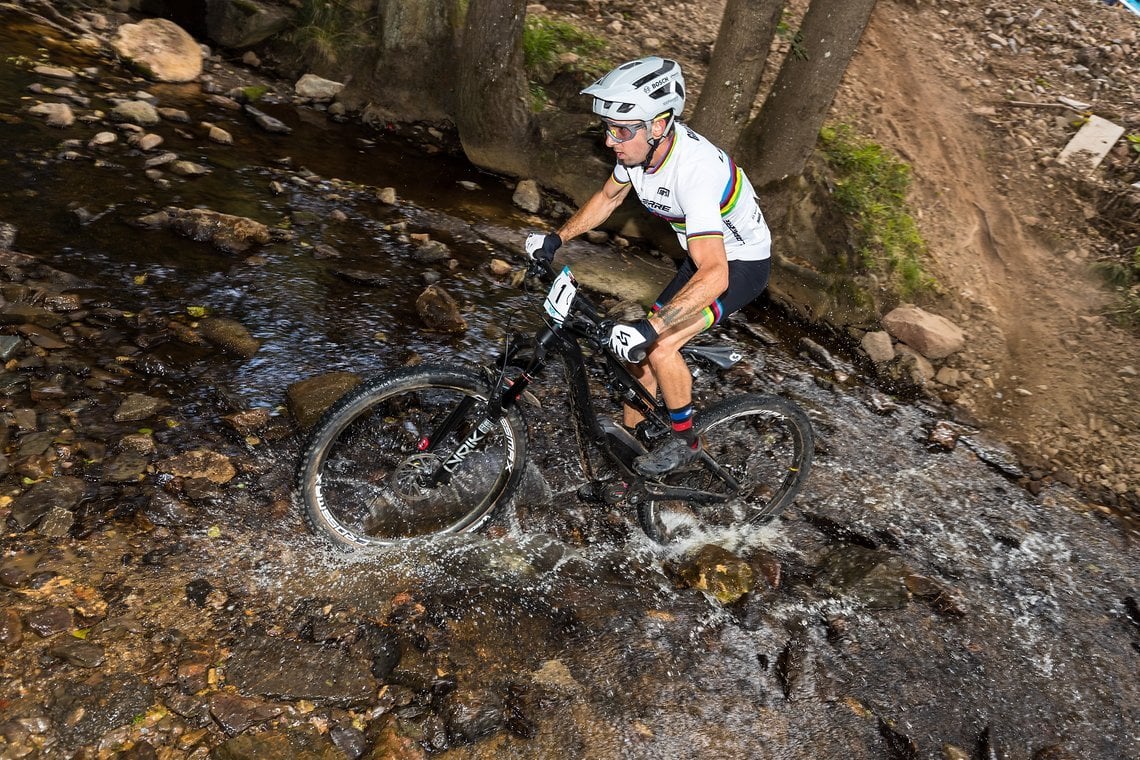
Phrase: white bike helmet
(640,90)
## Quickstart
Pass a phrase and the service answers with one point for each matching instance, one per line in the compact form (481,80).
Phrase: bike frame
(565,338)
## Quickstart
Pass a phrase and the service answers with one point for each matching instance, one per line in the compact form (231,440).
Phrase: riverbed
(914,602)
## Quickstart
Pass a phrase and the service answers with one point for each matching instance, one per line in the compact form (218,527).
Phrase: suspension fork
(500,398)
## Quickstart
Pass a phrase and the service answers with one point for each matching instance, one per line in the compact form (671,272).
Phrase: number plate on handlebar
(561,295)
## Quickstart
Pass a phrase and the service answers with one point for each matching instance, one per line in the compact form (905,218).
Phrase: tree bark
(725,105)
(778,142)
(492,112)
(415,37)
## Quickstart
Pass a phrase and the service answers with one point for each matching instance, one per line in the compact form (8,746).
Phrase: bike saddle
(724,357)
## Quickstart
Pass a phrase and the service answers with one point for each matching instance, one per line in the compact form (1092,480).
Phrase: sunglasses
(620,133)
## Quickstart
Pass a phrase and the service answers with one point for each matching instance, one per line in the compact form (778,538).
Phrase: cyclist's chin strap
(655,141)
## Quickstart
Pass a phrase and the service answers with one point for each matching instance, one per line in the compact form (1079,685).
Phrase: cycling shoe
(670,455)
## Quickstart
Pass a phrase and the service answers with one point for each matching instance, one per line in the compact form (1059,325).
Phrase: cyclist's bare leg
(666,368)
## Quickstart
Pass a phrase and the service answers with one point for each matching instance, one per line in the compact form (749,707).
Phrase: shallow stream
(919,598)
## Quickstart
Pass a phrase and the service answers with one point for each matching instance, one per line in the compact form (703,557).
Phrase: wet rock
(188,169)
(899,746)
(316,88)
(159,49)
(308,399)
(801,674)
(230,336)
(50,621)
(869,577)
(295,743)
(387,196)
(391,744)
(200,463)
(192,671)
(349,740)
(767,566)
(194,710)
(149,141)
(232,234)
(291,670)
(719,572)
(164,509)
(84,711)
(55,114)
(16,313)
(55,72)
(267,122)
(527,196)
(248,421)
(439,310)
(10,345)
(135,112)
(235,713)
(42,337)
(56,523)
(933,336)
(176,115)
(362,277)
(81,654)
(219,136)
(198,591)
(878,347)
(469,715)
(555,677)
(428,251)
(139,406)
(30,506)
(11,629)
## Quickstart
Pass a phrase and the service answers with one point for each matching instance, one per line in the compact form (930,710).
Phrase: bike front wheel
(395,459)
(764,442)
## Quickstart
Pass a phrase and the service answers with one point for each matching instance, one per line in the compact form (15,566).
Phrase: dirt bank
(1011,234)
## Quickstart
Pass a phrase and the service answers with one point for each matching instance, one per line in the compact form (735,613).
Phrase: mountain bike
(438,449)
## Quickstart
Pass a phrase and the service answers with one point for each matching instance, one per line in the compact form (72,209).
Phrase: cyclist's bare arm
(596,210)
(710,281)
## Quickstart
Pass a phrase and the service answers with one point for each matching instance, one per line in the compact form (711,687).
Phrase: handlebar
(544,271)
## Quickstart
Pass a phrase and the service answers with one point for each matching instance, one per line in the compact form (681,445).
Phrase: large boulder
(932,336)
(159,49)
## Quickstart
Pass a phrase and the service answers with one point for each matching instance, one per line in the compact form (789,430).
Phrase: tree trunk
(415,37)
(779,141)
(746,31)
(492,111)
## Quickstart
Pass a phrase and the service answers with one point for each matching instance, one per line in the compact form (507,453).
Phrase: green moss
(247,7)
(871,188)
(1123,275)
(254,93)
(545,39)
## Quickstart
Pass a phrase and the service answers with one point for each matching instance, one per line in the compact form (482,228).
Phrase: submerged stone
(719,572)
(293,670)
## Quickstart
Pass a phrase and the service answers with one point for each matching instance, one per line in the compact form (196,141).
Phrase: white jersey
(702,193)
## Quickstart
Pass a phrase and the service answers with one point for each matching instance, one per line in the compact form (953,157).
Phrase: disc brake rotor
(409,480)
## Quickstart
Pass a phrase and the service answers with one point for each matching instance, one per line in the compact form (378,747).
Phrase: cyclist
(694,186)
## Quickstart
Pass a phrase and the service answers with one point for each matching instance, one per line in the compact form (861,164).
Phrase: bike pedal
(610,493)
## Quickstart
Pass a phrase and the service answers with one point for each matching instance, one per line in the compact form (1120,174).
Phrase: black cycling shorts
(746,281)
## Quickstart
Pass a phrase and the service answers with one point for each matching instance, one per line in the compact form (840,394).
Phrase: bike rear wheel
(764,442)
(366,475)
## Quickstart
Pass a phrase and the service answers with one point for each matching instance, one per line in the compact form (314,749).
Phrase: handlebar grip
(542,269)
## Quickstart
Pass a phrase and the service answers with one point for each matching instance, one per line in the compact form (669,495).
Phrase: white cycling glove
(542,247)
(630,342)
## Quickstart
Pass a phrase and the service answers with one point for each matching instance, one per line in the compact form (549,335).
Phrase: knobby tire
(364,482)
(765,442)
